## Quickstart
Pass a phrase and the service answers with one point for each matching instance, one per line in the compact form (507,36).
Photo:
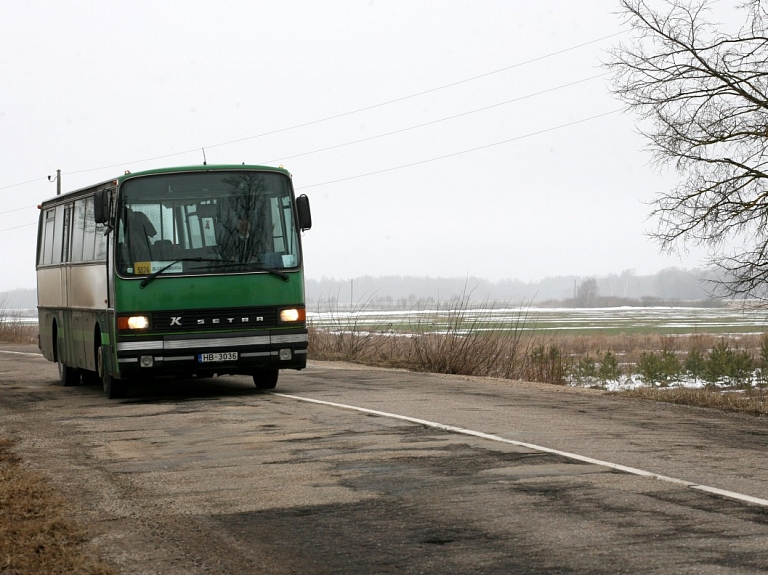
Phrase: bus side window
(65,237)
(46,251)
(100,249)
(78,229)
(58,236)
(89,231)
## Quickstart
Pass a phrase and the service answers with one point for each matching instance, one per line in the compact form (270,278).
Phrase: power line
(17,210)
(475,111)
(420,162)
(23,183)
(429,160)
(17,227)
(341,115)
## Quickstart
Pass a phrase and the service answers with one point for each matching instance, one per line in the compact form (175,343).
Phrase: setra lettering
(177,320)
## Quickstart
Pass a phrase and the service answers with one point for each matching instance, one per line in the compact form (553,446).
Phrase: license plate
(223,356)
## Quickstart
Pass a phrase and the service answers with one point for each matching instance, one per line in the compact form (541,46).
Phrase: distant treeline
(671,286)
(18,299)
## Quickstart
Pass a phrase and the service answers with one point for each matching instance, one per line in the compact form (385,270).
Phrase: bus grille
(215,319)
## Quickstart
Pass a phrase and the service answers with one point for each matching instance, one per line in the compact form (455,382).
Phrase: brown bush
(13,329)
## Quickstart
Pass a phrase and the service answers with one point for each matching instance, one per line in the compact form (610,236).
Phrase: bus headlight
(133,322)
(293,315)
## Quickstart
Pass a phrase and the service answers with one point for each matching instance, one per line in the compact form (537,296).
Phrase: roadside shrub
(670,365)
(695,363)
(609,369)
(719,362)
(659,368)
(547,364)
(12,327)
(650,368)
(762,361)
(741,368)
(585,370)
(457,340)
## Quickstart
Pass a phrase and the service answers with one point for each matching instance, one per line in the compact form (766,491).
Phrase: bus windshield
(206,222)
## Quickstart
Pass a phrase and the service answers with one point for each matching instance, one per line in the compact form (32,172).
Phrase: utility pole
(58,182)
(351,294)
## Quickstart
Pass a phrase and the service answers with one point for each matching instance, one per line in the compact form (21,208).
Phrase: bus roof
(169,170)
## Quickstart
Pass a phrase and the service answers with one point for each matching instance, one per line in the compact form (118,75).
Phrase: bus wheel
(67,375)
(266,379)
(113,388)
(91,378)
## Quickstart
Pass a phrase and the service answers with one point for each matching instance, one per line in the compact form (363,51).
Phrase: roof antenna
(205,162)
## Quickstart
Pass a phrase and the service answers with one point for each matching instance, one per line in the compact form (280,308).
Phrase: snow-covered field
(661,320)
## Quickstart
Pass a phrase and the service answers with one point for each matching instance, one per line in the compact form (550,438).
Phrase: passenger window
(58,236)
(46,252)
(100,247)
(89,231)
(78,228)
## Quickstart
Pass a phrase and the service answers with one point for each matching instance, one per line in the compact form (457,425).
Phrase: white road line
(577,457)
(22,353)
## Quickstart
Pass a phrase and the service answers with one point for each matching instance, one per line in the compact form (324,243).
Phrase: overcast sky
(535,174)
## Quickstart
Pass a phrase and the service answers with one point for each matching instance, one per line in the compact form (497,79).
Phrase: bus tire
(68,376)
(113,388)
(91,378)
(266,379)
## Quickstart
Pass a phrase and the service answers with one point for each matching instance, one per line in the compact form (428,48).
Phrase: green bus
(189,272)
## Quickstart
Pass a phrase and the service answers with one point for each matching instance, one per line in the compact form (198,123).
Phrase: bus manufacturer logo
(175,320)
(229,320)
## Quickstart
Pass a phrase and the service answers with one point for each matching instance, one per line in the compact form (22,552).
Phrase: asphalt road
(212,476)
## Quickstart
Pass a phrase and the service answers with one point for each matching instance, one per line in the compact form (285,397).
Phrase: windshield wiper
(282,275)
(224,264)
(153,275)
(220,264)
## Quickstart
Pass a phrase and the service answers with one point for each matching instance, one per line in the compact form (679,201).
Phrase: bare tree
(702,96)
(587,293)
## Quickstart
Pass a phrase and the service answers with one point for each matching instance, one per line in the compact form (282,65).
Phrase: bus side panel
(50,300)
(45,334)
(88,286)
(50,287)
(88,295)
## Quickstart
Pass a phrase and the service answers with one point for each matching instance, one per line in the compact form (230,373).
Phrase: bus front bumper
(212,353)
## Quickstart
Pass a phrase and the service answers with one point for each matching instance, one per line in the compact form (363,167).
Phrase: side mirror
(101,205)
(305,215)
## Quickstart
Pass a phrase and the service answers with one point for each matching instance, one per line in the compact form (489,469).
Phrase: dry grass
(481,354)
(752,402)
(629,347)
(13,329)
(19,333)
(35,534)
